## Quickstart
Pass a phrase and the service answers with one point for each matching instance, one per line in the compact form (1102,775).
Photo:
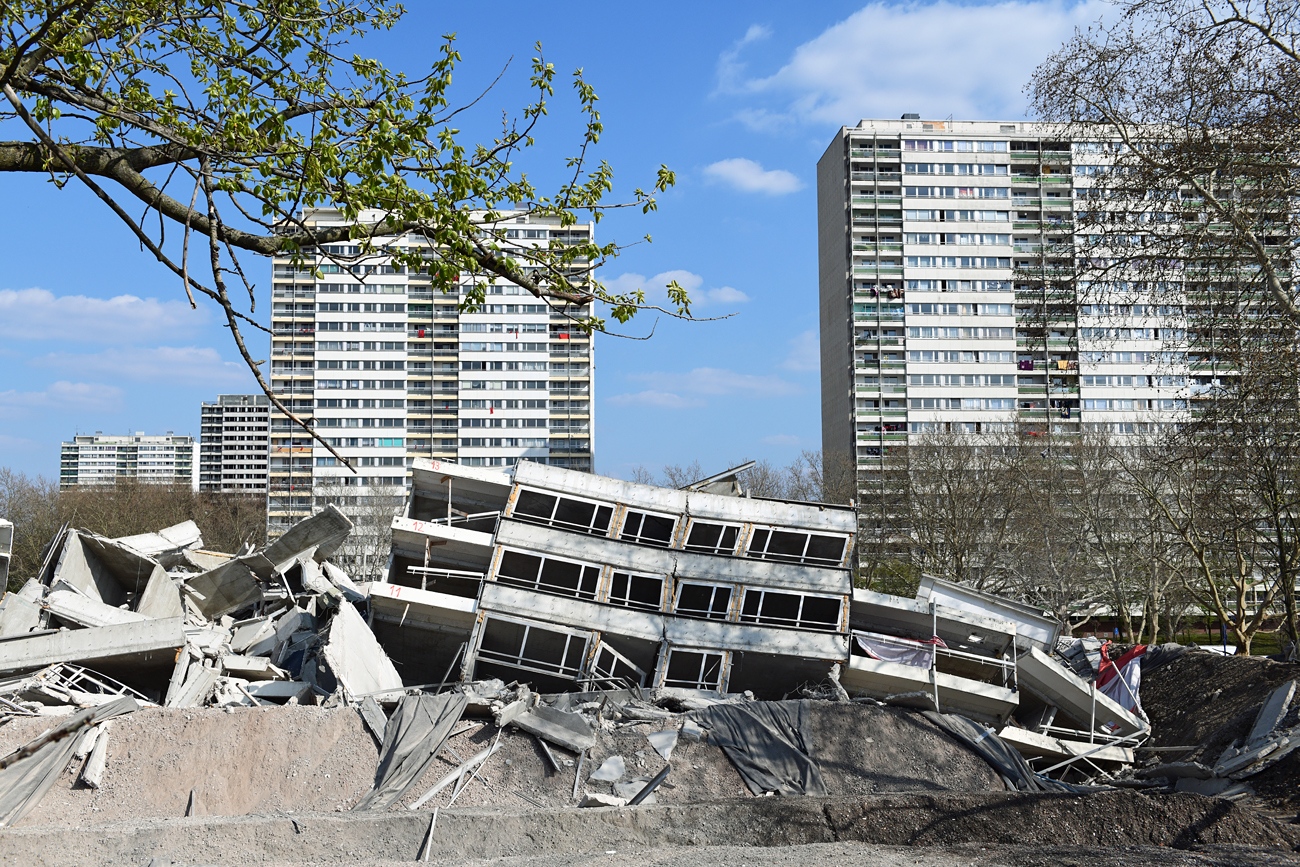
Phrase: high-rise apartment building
(389,369)
(96,459)
(234,435)
(951,296)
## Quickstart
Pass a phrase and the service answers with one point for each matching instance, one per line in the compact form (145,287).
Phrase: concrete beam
(141,655)
(73,607)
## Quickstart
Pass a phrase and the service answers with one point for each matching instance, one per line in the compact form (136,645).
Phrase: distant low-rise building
(234,435)
(97,459)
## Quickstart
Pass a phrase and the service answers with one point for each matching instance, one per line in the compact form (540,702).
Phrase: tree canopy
(210,125)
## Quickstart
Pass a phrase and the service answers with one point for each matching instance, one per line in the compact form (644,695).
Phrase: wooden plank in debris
(374,718)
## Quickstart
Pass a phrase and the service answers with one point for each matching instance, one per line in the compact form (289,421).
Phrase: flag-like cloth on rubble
(1120,679)
(891,648)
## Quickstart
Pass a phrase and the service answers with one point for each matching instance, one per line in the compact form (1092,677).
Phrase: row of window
(961,333)
(503,347)
(954,169)
(953,309)
(503,328)
(705,537)
(984,239)
(959,285)
(379,384)
(998,403)
(959,261)
(997,147)
(337,364)
(932,216)
(712,601)
(553,650)
(966,356)
(957,192)
(965,380)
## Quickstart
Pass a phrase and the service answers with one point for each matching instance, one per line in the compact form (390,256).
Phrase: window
(636,591)
(791,609)
(581,515)
(796,546)
(694,670)
(703,600)
(648,528)
(609,663)
(548,574)
(706,538)
(534,648)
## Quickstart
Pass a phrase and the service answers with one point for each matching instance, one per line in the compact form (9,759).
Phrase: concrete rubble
(565,605)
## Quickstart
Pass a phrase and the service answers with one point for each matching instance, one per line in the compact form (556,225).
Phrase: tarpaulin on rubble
(25,782)
(413,738)
(1121,679)
(891,648)
(1001,757)
(769,743)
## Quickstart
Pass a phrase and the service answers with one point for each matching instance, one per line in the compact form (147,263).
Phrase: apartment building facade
(99,459)
(950,296)
(389,369)
(233,440)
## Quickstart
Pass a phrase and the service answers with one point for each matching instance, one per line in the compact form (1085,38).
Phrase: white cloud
(730,69)
(805,352)
(719,381)
(62,395)
(726,295)
(38,314)
(177,365)
(781,440)
(659,399)
(937,58)
(656,292)
(748,176)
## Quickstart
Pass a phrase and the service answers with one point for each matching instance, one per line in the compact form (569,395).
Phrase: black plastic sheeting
(769,743)
(1161,654)
(1002,758)
(25,782)
(415,734)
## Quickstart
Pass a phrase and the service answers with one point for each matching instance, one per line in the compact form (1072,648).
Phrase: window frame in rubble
(760,540)
(625,536)
(591,528)
(700,682)
(758,618)
(711,613)
(719,548)
(540,666)
(588,575)
(625,601)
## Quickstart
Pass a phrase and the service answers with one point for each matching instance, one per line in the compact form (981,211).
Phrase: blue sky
(94,335)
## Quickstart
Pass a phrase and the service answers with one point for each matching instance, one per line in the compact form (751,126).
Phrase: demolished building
(528,592)
(572,581)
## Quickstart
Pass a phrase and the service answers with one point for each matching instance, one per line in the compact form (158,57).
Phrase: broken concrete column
(93,772)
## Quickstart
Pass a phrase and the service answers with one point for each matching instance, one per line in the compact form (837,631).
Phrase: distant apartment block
(388,369)
(951,295)
(98,459)
(234,436)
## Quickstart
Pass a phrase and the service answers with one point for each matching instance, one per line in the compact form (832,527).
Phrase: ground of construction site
(540,681)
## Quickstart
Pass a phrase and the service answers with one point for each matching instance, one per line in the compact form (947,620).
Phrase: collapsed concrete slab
(115,574)
(228,588)
(141,655)
(167,546)
(355,659)
(72,607)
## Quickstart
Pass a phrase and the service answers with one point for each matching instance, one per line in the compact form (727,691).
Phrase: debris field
(149,687)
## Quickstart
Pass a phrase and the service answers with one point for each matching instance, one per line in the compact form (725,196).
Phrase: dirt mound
(247,760)
(1208,701)
(306,759)
(1120,819)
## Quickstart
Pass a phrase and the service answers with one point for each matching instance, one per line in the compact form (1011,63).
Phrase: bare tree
(364,554)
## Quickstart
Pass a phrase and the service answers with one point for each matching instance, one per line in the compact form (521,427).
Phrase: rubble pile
(518,657)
